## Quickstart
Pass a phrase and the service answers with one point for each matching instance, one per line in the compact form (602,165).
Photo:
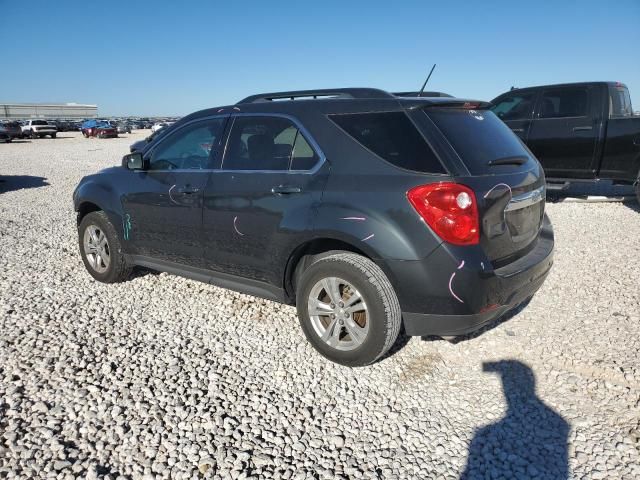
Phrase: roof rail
(315,94)
(424,94)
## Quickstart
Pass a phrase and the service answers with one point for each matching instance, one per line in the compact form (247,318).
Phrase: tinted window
(620,102)
(189,147)
(39,122)
(303,156)
(564,102)
(267,143)
(478,136)
(515,107)
(392,136)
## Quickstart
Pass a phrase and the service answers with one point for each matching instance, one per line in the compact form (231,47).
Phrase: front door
(163,207)
(563,135)
(261,203)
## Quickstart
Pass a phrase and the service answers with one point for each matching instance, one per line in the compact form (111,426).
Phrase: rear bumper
(448,296)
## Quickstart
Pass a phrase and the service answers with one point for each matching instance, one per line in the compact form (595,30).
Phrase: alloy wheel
(338,313)
(96,248)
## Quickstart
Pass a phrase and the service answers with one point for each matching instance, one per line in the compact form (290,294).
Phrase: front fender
(93,190)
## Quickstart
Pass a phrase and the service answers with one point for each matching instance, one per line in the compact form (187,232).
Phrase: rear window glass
(620,103)
(392,136)
(39,122)
(478,136)
(267,143)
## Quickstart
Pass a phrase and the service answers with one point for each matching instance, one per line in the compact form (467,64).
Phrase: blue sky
(174,57)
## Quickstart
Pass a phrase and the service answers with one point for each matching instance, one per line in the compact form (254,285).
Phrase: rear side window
(564,102)
(393,137)
(267,143)
(619,103)
(478,136)
(515,107)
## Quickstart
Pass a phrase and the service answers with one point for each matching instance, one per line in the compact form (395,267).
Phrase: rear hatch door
(507,179)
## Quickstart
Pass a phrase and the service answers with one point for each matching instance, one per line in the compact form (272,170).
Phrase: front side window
(515,107)
(564,102)
(188,148)
(267,143)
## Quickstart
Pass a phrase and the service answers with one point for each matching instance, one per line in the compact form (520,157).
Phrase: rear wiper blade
(508,161)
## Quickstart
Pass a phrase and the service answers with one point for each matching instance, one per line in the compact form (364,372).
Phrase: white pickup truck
(38,129)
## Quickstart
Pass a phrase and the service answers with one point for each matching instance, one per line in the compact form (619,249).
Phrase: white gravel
(170,378)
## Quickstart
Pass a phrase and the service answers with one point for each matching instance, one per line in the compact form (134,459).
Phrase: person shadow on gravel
(529,442)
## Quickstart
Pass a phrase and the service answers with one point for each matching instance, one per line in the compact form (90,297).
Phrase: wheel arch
(85,208)
(313,249)
(94,195)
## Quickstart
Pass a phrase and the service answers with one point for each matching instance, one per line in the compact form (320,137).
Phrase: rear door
(516,110)
(163,206)
(261,203)
(621,152)
(565,130)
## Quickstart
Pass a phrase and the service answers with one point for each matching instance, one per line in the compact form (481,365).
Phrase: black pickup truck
(580,132)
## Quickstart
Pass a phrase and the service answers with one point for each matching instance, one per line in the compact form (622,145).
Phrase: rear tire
(53,135)
(101,249)
(357,323)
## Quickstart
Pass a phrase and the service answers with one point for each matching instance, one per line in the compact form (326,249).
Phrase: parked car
(13,129)
(124,128)
(99,129)
(158,126)
(365,210)
(142,144)
(5,136)
(38,129)
(580,132)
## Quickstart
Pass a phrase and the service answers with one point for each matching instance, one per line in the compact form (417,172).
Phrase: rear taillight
(450,209)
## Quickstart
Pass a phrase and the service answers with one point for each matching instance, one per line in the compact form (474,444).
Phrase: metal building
(18,111)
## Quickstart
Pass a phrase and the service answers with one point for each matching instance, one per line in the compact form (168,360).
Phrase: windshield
(479,137)
(39,122)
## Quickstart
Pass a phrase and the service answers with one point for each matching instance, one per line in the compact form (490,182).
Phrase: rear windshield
(393,137)
(39,122)
(478,136)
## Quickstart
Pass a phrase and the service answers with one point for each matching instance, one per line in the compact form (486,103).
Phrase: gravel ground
(169,378)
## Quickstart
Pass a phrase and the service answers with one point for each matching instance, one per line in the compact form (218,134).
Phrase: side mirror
(133,161)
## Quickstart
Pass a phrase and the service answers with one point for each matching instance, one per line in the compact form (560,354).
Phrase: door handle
(517,130)
(285,190)
(187,190)
(582,129)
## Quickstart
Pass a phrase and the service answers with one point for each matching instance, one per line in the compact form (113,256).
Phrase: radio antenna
(425,82)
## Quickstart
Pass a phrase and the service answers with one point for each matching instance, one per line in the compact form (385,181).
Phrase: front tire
(53,135)
(348,309)
(101,249)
